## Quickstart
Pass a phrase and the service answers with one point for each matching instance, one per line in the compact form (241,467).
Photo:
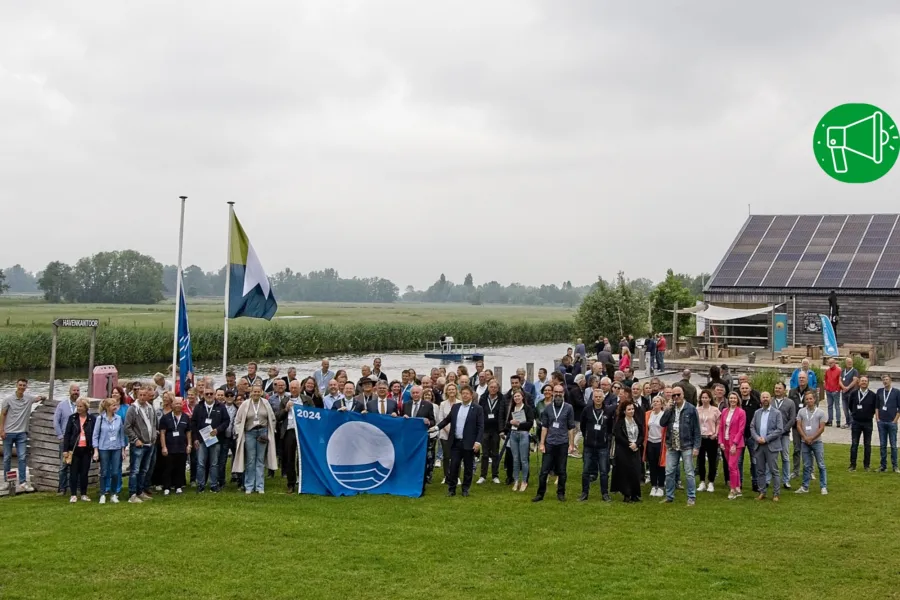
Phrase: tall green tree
(612,311)
(663,298)
(20,280)
(3,285)
(126,277)
(56,282)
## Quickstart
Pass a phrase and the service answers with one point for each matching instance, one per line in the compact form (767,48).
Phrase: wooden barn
(843,266)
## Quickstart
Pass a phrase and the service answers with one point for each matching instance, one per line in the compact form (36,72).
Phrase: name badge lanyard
(809,416)
(596,418)
(256,411)
(556,413)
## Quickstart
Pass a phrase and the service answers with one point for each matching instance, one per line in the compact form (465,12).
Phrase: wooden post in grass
(43,448)
(498,375)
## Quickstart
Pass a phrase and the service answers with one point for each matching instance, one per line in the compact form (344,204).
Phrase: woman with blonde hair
(451,397)
(78,444)
(731,440)
(624,358)
(254,425)
(109,443)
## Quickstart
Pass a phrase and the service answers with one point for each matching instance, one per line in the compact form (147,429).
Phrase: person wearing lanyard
(347,402)
(888,416)
(557,441)
(255,428)
(141,429)
(849,384)
(788,411)
(212,414)
(811,424)
(287,431)
(494,406)
(175,432)
(64,410)
(79,448)
(596,424)
(521,418)
(231,408)
(109,449)
(863,404)
(767,430)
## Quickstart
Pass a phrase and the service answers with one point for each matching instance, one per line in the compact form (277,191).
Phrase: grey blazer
(788,414)
(775,429)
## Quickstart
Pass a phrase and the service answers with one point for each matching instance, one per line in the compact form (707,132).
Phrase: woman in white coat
(254,425)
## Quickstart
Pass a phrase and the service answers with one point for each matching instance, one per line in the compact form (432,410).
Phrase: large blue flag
(185,352)
(829,340)
(348,453)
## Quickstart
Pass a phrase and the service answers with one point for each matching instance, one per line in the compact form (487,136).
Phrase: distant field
(26,312)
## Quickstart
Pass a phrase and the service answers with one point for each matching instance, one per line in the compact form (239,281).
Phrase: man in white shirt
(333,395)
(323,376)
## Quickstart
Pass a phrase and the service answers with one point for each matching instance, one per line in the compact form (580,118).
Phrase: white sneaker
(85,499)
(646,479)
(28,487)
(135,500)
(166,493)
(710,488)
(114,499)
(802,490)
(261,492)
(248,492)
(20,489)
(480,480)
(653,492)
(73,499)
(443,481)
(496,480)
(824,491)
(178,491)
(437,463)
(102,498)
(701,487)
(158,488)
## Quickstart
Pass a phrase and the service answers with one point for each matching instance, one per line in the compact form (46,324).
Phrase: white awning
(721,313)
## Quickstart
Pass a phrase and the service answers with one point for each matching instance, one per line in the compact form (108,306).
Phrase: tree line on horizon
(129,277)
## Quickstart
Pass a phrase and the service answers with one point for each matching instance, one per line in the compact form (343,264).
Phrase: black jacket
(495,423)
(352,404)
(73,432)
(426,411)
(620,433)
(529,418)
(597,438)
(218,415)
(576,399)
(509,400)
(750,407)
(863,406)
(473,430)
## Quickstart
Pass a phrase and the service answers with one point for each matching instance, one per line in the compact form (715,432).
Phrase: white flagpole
(227,286)
(178,296)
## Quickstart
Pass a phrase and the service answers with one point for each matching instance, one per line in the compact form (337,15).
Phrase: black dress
(628,472)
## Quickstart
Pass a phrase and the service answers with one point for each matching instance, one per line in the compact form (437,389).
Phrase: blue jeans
(672,459)
(208,465)
(750,447)
(139,479)
(518,446)
(20,439)
(255,461)
(596,461)
(887,431)
(834,406)
(660,362)
(63,470)
(110,471)
(817,449)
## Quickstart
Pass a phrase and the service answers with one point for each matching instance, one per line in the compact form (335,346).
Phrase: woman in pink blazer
(731,439)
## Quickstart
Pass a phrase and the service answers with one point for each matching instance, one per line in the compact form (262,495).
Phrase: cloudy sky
(518,140)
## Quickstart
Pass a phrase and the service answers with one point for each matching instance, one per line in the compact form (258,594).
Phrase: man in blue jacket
(682,443)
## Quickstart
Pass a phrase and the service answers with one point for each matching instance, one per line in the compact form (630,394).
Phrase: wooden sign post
(93,324)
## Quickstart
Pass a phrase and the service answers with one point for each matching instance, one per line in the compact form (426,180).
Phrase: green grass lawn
(494,544)
(25,312)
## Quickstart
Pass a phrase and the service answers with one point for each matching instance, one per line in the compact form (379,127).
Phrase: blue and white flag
(185,353)
(829,340)
(348,453)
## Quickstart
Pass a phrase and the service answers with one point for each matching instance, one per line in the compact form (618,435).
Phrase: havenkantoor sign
(76,322)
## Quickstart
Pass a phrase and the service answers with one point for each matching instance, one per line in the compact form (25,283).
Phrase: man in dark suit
(493,404)
(347,401)
(417,408)
(381,404)
(466,422)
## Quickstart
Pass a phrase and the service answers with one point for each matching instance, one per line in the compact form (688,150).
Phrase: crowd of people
(631,433)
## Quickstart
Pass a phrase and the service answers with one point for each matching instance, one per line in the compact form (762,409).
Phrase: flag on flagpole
(829,340)
(249,291)
(185,352)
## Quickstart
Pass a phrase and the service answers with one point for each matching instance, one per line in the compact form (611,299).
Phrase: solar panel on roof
(821,251)
(843,251)
(765,253)
(863,264)
(887,272)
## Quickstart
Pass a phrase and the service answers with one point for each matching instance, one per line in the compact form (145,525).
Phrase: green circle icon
(856,143)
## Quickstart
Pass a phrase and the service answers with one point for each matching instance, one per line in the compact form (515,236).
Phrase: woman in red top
(79,448)
(625,359)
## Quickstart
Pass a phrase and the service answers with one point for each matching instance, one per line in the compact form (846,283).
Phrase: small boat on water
(448,350)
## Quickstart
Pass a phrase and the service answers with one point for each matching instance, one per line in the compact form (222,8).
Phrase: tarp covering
(721,313)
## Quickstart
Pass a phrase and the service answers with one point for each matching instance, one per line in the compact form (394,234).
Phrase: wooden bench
(792,355)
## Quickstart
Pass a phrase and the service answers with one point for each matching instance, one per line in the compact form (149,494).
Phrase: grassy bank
(494,544)
(349,329)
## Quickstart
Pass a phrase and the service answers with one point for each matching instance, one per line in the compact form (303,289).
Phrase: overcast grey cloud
(514,139)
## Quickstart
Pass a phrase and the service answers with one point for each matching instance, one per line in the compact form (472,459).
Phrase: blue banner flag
(829,340)
(348,453)
(185,352)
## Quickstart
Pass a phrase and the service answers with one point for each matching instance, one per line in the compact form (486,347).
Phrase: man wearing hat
(380,404)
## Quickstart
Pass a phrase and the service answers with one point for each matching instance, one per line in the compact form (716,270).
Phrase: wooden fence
(43,448)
